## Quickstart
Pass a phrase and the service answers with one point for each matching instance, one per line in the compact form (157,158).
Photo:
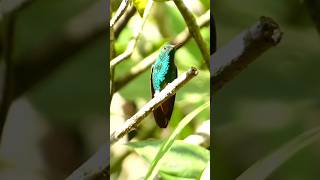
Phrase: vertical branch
(132,43)
(119,13)
(111,53)
(194,30)
(7,86)
(117,28)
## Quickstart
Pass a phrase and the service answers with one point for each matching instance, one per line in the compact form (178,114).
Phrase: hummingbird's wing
(163,113)
(151,83)
(158,113)
(168,105)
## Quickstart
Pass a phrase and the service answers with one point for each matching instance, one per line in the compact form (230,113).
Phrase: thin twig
(194,30)
(123,6)
(135,71)
(243,50)
(167,92)
(146,63)
(112,71)
(314,8)
(184,36)
(111,54)
(8,81)
(131,45)
(122,22)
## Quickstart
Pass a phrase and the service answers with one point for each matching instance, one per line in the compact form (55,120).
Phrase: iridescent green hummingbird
(163,72)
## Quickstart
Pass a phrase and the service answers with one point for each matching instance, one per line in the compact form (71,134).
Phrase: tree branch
(131,45)
(243,50)
(111,55)
(194,30)
(98,164)
(117,28)
(167,92)
(314,8)
(123,6)
(146,63)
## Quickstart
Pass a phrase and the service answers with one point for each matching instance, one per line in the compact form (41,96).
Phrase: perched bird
(163,72)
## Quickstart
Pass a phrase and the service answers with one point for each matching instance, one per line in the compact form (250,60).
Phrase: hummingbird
(163,72)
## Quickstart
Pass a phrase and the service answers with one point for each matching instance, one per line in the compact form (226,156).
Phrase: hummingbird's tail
(163,113)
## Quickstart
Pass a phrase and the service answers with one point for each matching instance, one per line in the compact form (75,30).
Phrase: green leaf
(183,161)
(263,168)
(171,177)
(165,147)
(140,5)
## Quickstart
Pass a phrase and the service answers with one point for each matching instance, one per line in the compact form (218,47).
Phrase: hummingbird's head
(166,49)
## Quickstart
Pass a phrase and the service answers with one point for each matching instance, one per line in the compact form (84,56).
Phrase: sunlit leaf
(183,161)
(165,147)
(170,177)
(140,5)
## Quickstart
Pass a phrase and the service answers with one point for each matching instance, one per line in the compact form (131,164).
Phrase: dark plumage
(163,72)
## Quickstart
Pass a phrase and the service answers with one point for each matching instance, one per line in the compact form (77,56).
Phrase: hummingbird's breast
(161,70)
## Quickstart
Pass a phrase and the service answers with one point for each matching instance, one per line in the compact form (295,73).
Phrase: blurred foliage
(167,145)
(162,25)
(140,5)
(275,98)
(61,121)
(78,87)
(182,161)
